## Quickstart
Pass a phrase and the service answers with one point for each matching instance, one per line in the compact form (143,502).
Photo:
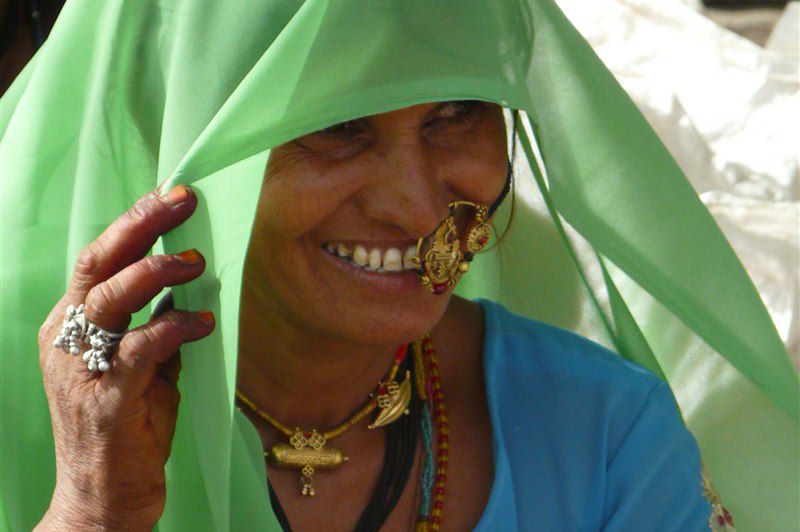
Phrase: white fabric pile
(729,111)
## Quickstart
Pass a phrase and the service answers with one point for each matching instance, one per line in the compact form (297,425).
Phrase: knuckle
(176,319)
(87,265)
(136,351)
(143,209)
(156,264)
(137,360)
(101,298)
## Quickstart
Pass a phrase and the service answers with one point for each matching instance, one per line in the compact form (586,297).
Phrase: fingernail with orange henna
(177,194)
(206,316)
(191,256)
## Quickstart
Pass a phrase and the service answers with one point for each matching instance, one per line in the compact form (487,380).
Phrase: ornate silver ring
(78,328)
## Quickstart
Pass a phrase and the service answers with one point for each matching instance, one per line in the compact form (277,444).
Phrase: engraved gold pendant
(440,260)
(306,451)
(393,402)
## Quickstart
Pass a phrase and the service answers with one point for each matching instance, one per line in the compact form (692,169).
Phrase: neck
(302,377)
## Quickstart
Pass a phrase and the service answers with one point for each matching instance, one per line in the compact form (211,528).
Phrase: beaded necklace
(434,414)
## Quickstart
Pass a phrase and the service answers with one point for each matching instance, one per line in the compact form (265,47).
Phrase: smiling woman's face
(368,189)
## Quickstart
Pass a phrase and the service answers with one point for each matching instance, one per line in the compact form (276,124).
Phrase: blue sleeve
(653,480)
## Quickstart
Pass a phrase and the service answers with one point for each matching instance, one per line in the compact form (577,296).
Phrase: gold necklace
(307,450)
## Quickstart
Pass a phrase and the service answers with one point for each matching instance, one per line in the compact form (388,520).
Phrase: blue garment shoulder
(583,439)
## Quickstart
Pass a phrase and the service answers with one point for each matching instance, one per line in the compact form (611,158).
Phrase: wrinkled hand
(113,431)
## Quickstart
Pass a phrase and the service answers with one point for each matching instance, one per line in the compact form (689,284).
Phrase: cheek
(291,207)
(479,177)
(475,169)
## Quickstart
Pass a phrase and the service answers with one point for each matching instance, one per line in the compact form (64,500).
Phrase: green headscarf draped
(126,95)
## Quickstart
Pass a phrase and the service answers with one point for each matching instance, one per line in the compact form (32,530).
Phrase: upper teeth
(375,259)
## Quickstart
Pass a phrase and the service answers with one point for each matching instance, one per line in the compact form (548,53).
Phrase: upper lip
(375,243)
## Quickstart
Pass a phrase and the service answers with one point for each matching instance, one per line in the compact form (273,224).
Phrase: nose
(408,190)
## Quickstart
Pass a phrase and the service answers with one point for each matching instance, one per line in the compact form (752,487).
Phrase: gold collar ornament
(309,451)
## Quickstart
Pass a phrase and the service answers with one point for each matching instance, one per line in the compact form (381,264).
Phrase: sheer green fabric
(608,238)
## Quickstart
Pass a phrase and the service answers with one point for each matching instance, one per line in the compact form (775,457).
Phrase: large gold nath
(443,261)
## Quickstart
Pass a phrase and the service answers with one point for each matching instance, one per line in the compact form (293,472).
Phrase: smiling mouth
(384,260)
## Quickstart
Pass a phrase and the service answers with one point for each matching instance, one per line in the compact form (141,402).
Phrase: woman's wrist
(74,512)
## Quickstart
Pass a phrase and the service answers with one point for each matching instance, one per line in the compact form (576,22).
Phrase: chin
(403,320)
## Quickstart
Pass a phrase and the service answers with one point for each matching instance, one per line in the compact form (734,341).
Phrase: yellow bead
(436,512)
(463,267)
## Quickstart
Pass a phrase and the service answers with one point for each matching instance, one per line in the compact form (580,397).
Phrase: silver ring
(78,328)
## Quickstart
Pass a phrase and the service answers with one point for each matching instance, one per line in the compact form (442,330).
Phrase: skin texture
(315,334)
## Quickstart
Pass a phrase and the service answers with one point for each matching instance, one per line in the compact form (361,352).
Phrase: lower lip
(401,281)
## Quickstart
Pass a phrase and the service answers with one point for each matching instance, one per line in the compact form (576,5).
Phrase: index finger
(130,237)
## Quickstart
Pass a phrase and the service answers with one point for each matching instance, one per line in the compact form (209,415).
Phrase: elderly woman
(598,441)
(324,210)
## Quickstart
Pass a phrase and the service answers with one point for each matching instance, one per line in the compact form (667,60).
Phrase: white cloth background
(729,112)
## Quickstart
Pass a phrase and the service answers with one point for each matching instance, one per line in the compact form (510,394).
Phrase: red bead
(441,478)
(443,438)
(439,491)
(435,379)
(438,504)
(439,288)
(437,400)
(728,516)
(435,519)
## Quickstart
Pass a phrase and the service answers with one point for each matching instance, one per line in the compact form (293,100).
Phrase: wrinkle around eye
(331,144)
(285,159)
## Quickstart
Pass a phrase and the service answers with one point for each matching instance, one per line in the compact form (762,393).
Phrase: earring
(442,264)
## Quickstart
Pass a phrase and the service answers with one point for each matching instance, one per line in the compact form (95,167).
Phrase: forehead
(418,112)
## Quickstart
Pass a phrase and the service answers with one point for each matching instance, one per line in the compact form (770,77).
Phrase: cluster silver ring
(78,328)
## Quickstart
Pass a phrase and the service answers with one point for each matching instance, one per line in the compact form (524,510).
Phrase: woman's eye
(454,112)
(339,138)
(344,128)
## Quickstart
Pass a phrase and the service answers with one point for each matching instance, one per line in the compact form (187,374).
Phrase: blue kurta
(583,439)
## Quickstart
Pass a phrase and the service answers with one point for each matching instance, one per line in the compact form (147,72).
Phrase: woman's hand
(113,431)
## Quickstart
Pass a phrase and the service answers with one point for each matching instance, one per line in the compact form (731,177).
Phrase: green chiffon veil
(608,238)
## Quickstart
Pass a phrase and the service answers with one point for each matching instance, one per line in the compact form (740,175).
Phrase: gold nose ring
(439,260)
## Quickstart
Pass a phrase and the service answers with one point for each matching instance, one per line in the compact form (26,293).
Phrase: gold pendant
(307,452)
(393,403)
